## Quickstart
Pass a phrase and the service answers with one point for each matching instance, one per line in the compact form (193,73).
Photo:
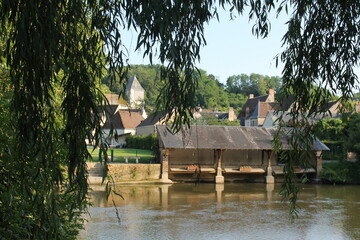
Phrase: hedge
(149,142)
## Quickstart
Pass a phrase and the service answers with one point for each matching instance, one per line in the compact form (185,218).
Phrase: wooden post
(269,179)
(219,177)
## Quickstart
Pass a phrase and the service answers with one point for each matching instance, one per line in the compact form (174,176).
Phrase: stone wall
(130,172)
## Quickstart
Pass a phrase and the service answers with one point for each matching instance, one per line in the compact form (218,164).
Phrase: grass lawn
(146,156)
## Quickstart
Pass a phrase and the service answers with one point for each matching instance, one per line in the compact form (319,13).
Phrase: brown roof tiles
(123,118)
(130,118)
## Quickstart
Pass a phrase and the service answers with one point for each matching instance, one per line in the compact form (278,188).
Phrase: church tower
(134,92)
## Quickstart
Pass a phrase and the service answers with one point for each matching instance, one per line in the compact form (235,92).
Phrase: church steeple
(134,92)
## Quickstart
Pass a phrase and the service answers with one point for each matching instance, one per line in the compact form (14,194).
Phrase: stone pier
(219,177)
(269,179)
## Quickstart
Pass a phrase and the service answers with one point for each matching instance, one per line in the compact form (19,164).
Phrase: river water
(229,211)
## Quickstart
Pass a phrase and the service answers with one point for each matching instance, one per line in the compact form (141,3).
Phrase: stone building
(227,153)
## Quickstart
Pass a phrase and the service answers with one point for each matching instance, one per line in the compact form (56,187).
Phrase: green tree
(254,84)
(213,120)
(330,129)
(210,93)
(332,133)
(236,101)
(353,135)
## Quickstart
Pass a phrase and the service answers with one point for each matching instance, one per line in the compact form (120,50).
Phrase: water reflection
(230,211)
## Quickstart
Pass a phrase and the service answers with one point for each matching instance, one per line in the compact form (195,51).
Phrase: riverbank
(335,172)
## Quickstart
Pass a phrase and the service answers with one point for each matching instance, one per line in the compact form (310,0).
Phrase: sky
(232,49)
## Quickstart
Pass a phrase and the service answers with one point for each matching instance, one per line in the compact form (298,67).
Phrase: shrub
(334,175)
(341,172)
(149,142)
(337,150)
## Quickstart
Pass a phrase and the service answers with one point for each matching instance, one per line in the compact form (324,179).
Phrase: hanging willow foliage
(54,52)
(322,49)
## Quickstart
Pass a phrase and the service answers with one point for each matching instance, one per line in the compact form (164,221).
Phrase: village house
(122,122)
(121,117)
(148,126)
(258,116)
(227,153)
(250,106)
(331,110)
(264,110)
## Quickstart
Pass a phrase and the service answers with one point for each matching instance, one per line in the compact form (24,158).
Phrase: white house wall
(120,139)
(269,122)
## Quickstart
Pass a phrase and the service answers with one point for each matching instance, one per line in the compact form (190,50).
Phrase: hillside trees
(254,84)
(209,93)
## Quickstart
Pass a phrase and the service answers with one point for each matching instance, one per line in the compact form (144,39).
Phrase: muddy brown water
(229,211)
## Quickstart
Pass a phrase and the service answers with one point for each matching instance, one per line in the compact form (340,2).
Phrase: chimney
(271,95)
(231,114)
(251,96)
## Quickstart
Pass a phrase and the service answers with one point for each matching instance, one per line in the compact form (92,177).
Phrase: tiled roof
(333,107)
(286,103)
(115,100)
(225,137)
(264,108)
(250,106)
(134,83)
(130,118)
(152,119)
(112,118)
(109,109)
(122,119)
